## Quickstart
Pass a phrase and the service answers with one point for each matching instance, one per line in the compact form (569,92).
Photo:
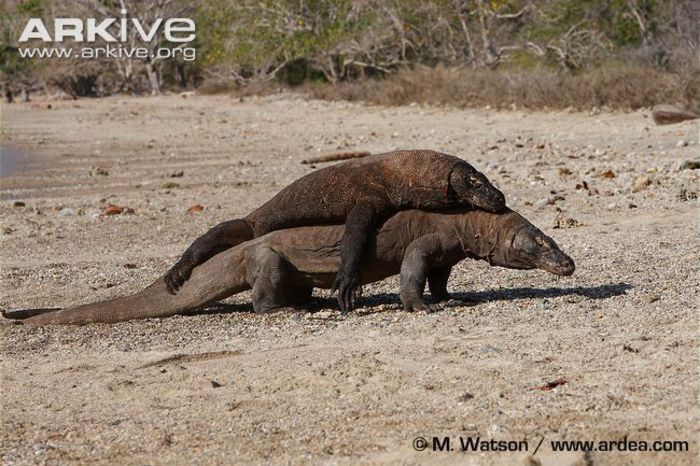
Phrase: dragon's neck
(489,236)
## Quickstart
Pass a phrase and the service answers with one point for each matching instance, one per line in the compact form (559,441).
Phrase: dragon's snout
(564,267)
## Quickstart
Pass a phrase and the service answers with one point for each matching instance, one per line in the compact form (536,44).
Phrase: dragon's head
(532,249)
(471,187)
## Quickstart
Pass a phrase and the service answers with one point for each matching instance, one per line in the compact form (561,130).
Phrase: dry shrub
(223,86)
(615,87)
(217,86)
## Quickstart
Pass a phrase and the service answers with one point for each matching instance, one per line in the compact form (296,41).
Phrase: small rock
(112,209)
(465,397)
(566,222)
(641,183)
(650,298)
(630,349)
(687,195)
(216,384)
(670,114)
(607,174)
(66,212)
(489,349)
(681,143)
(19,204)
(689,165)
(195,208)
(611,206)
(167,440)
(532,461)
(495,429)
(541,203)
(459,303)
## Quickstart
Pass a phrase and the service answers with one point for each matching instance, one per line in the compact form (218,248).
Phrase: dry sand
(229,386)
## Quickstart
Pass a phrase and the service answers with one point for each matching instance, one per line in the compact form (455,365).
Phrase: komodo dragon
(284,266)
(360,193)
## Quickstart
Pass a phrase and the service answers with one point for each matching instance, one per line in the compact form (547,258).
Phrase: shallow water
(13,160)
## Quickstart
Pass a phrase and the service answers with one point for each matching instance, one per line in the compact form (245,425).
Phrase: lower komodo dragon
(282,267)
(360,193)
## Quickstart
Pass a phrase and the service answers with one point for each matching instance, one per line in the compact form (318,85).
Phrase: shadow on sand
(503,294)
(318,303)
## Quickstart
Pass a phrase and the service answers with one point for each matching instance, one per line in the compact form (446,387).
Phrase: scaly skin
(284,266)
(360,193)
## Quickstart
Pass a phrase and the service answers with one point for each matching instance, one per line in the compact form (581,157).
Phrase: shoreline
(13,160)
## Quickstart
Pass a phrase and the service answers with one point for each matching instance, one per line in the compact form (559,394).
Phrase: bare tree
(148,12)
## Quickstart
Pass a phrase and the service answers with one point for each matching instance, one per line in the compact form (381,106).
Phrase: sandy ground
(229,386)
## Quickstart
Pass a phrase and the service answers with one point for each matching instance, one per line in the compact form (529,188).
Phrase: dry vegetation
(620,87)
(623,54)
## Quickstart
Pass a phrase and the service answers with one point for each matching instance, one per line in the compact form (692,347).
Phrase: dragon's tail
(221,276)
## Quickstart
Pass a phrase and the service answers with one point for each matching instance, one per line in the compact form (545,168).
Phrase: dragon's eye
(539,241)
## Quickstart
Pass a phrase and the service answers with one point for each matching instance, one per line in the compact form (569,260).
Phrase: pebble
(495,429)
(681,143)
(641,183)
(489,349)
(460,303)
(611,206)
(66,212)
(688,165)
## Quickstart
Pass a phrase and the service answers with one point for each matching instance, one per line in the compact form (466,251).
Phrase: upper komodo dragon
(284,266)
(361,194)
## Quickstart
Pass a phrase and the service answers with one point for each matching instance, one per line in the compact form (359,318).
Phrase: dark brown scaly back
(424,177)
(394,180)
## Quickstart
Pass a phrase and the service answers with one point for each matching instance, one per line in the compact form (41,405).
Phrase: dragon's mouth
(564,267)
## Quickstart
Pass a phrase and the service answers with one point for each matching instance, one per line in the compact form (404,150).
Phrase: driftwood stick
(335,157)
